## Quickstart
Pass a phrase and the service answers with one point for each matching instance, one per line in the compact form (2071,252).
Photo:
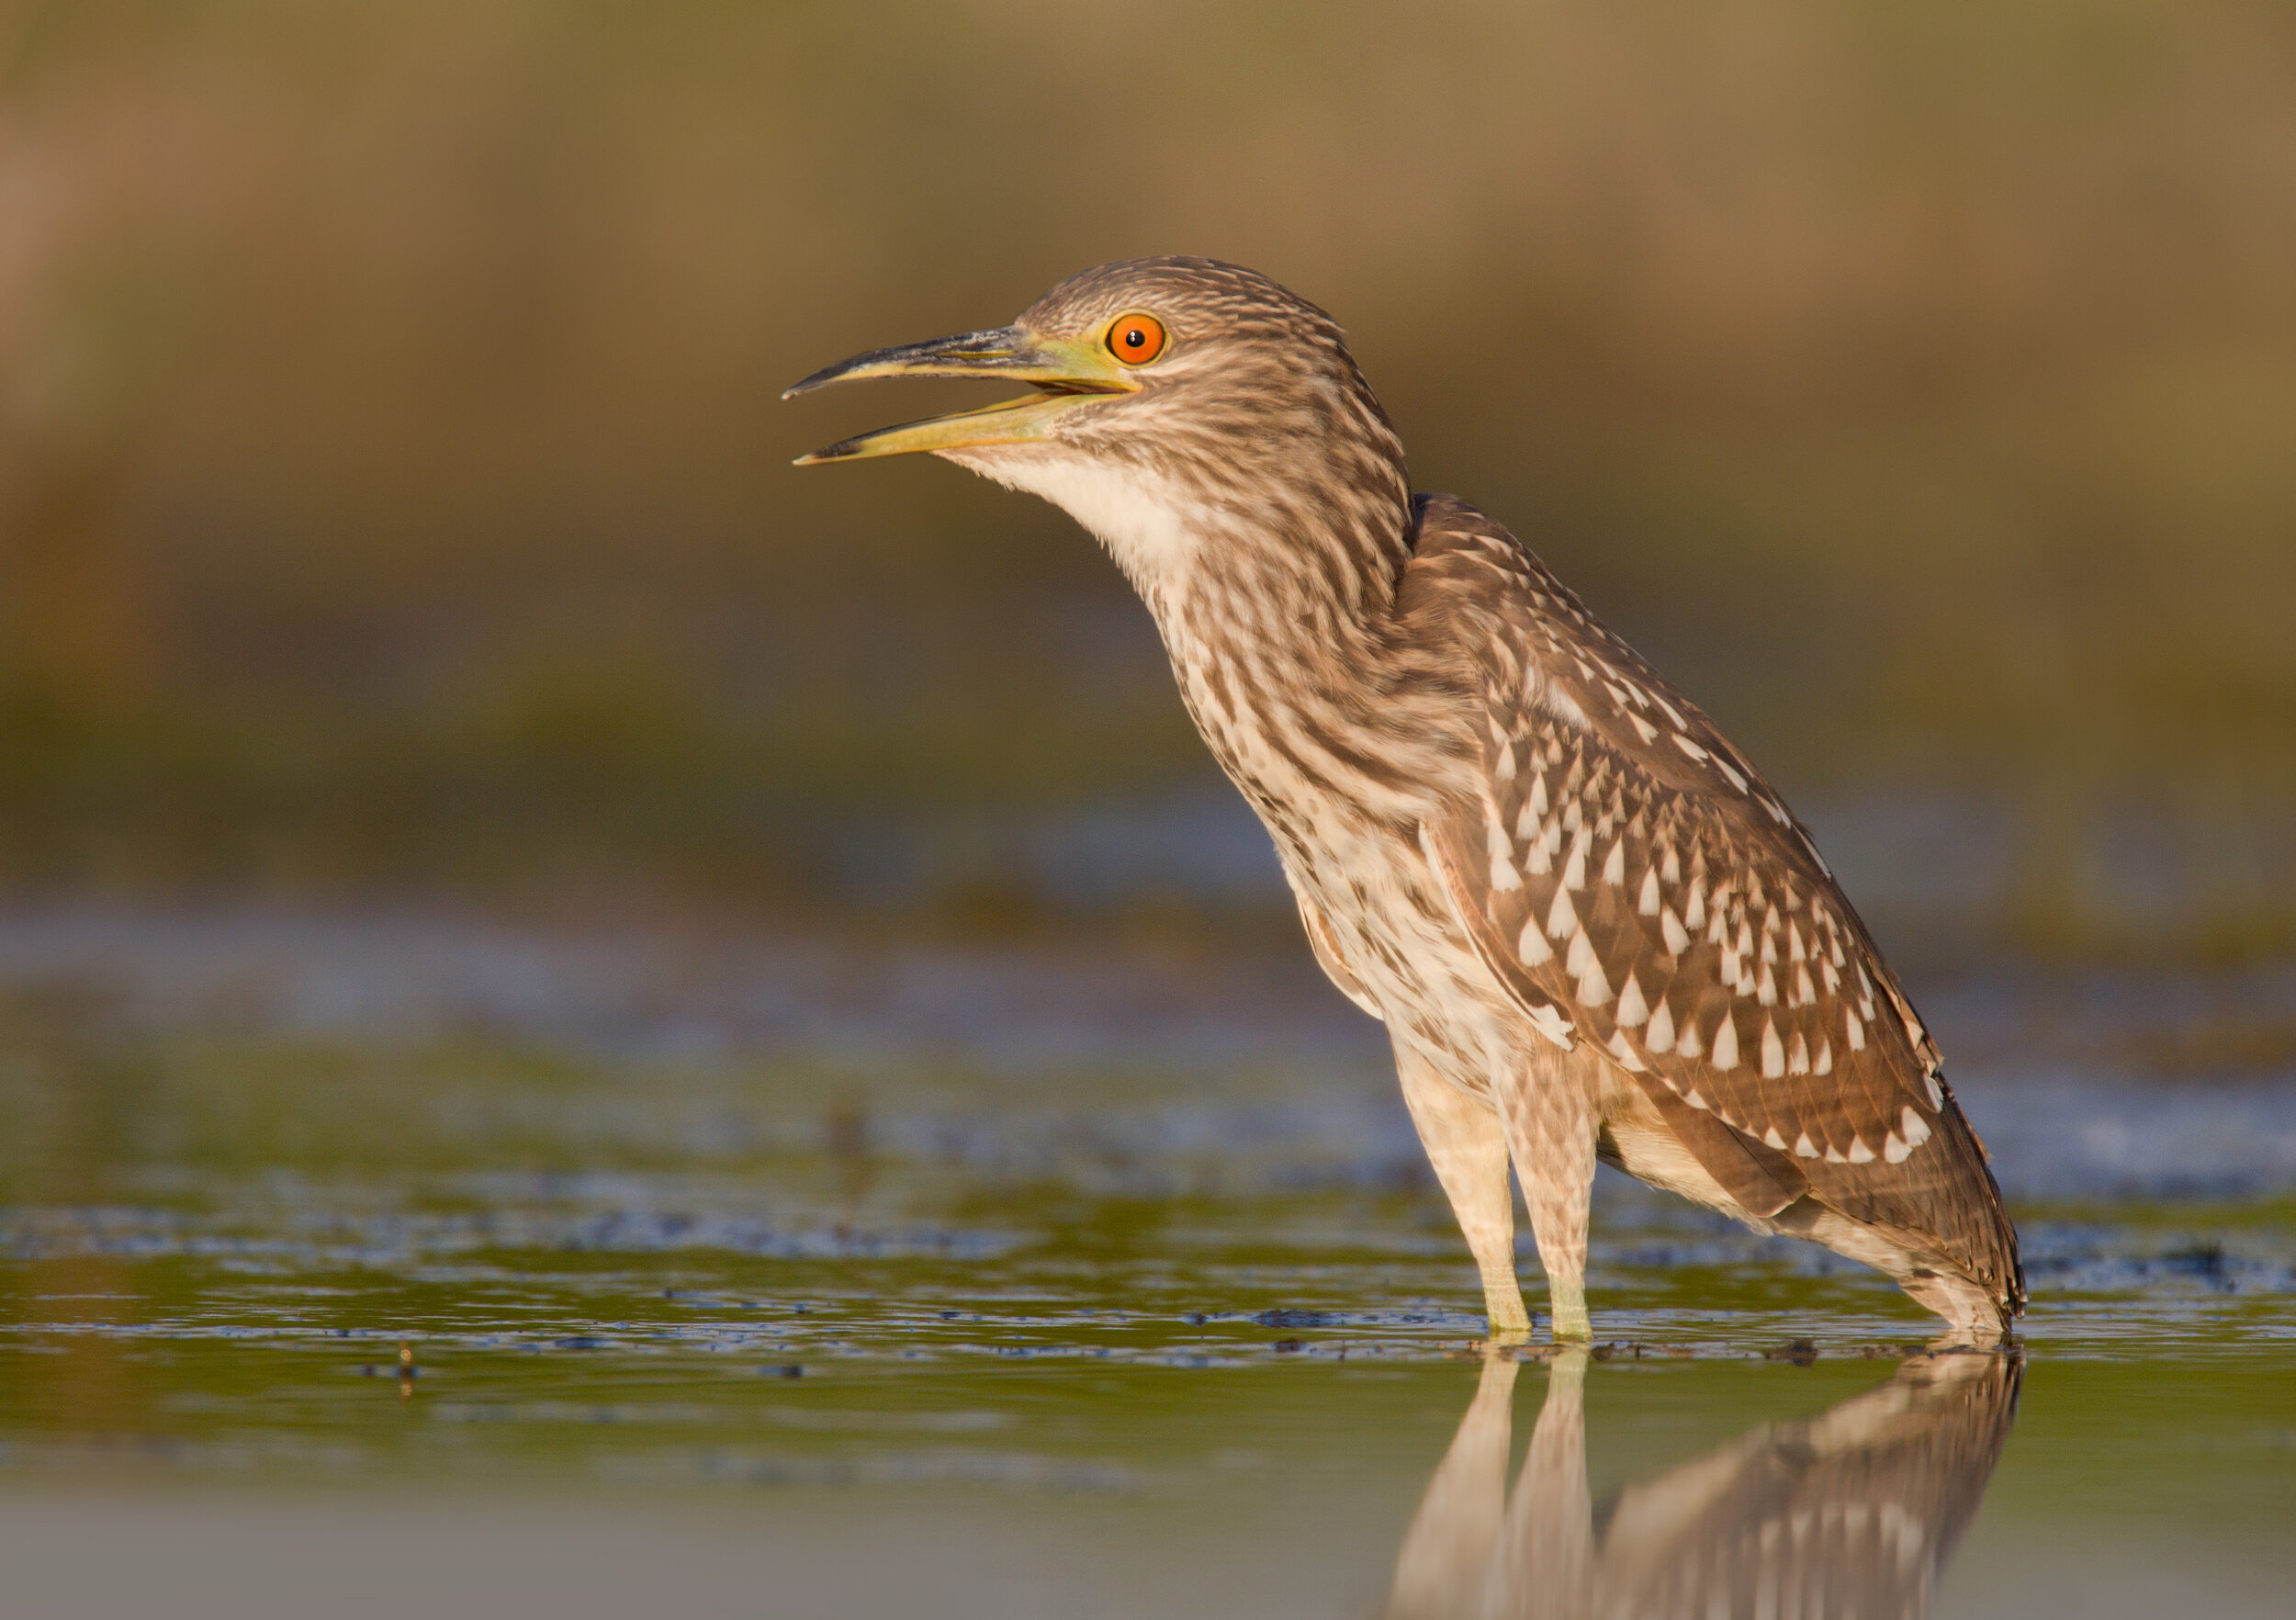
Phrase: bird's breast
(1392,928)
(1389,923)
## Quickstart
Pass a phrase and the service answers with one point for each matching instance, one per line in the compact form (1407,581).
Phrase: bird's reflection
(1852,1513)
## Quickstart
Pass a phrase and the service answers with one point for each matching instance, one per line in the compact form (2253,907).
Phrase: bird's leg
(1467,1147)
(1550,1124)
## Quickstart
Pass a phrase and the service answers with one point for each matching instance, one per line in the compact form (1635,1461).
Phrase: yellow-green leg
(1467,1147)
(1550,1110)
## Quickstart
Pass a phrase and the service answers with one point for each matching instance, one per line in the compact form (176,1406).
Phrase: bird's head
(1173,398)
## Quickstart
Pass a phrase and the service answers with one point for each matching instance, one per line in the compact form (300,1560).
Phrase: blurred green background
(394,500)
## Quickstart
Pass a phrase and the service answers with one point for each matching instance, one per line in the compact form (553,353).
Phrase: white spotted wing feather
(1627,871)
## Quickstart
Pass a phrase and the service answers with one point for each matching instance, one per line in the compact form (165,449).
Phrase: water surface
(361,1268)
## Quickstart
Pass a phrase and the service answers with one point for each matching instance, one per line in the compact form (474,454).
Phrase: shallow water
(780,1280)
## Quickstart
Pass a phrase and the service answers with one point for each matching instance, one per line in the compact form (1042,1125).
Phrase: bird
(1594,931)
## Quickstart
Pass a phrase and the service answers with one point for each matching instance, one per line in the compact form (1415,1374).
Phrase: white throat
(1144,521)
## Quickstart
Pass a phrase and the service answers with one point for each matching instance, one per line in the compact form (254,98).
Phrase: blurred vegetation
(393,493)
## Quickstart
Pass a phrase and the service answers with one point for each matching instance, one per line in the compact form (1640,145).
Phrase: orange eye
(1136,339)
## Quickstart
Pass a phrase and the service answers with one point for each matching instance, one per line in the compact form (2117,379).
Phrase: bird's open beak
(1062,371)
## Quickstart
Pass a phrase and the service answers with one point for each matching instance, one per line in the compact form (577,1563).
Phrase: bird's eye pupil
(1134,338)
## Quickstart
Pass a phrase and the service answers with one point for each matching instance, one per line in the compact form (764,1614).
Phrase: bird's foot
(1570,1323)
(1503,1304)
(1505,1334)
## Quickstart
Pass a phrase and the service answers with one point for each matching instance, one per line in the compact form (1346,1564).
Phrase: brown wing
(1640,888)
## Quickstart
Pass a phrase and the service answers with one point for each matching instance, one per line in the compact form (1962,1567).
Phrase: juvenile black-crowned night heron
(1592,927)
